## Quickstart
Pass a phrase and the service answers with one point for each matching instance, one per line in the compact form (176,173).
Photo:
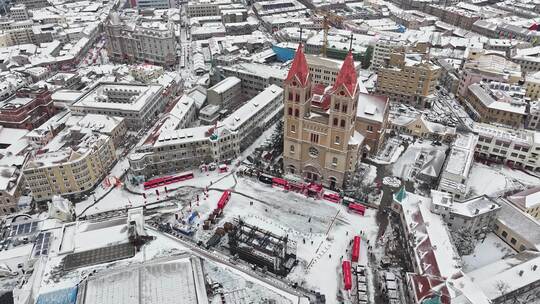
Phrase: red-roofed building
(27,109)
(320,142)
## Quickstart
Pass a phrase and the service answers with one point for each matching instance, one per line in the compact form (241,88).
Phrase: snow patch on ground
(486,252)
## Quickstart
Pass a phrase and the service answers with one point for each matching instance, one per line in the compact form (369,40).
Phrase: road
(457,110)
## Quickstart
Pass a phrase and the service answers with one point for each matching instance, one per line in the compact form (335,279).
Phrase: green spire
(401,195)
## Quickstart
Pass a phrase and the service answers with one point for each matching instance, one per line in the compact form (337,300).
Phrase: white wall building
(139,104)
(175,150)
(458,165)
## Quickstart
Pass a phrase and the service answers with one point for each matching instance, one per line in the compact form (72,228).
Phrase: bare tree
(502,287)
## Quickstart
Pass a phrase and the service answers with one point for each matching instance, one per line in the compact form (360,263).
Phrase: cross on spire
(301,30)
(351,38)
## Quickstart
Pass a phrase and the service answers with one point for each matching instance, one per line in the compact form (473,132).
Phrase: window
(293,128)
(290,111)
(313,152)
(292,149)
(314,138)
(290,96)
(336,106)
(370,128)
(297,98)
(334,161)
(345,108)
(504,234)
(335,121)
(513,241)
(342,123)
(337,141)
(296,113)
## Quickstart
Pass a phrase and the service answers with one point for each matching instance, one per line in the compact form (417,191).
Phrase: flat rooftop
(171,281)
(121,96)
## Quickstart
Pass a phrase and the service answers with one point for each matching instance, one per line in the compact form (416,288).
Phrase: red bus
(332,197)
(224,199)
(167,180)
(347,276)
(279,182)
(357,208)
(356,249)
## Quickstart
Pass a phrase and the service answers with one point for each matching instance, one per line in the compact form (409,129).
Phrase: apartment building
(226,92)
(496,102)
(325,70)
(409,79)
(320,142)
(153,4)
(453,15)
(139,104)
(11,183)
(114,127)
(203,8)
(32,4)
(458,165)
(487,68)
(528,59)
(528,201)
(178,149)
(476,215)
(274,7)
(413,19)
(27,109)
(143,41)
(382,50)
(255,76)
(532,86)
(515,147)
(19,12)
(73,163)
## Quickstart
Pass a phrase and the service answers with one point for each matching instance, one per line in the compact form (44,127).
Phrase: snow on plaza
(270,151)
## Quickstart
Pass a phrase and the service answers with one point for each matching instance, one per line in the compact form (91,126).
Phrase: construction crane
(332,19)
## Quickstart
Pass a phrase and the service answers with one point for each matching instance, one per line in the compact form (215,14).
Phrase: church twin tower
(320,142)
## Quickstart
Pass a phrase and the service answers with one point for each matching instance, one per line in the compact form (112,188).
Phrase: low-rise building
(518,148)
(516,227)
(516,278)
(496,102)
(72,164)
(458,164)
(226,92)
(417,124)
(528,201)
(476,215)
(372,120)
(139,104)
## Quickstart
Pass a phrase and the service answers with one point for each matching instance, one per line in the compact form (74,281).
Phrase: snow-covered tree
(464,240)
